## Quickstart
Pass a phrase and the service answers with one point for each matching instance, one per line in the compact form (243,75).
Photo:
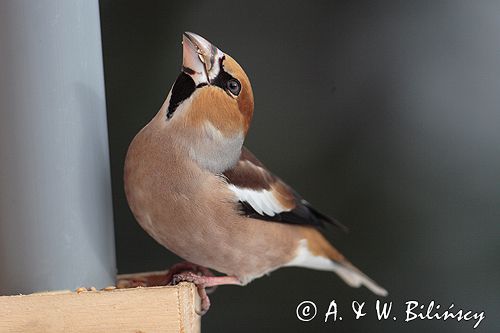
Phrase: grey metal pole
(56,223)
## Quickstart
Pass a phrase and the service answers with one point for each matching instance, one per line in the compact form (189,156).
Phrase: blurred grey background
(383,114)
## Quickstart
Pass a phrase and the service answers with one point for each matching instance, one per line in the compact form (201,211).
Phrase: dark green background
(385,115)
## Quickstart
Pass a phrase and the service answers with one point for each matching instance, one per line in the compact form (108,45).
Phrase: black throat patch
(183,87)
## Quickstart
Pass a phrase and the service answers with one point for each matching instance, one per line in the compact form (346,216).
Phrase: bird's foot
(202,282)
(186,266)
(199,281)
(161,278)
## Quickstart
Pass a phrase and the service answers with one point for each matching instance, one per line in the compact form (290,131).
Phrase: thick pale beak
(200,58)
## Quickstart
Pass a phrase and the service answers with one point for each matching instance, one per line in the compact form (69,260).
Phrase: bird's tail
(355,278)
(316,252)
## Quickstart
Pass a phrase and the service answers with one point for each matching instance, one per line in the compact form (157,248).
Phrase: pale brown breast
(192,213)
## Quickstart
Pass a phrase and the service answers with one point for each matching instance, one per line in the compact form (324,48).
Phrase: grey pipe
(56,222)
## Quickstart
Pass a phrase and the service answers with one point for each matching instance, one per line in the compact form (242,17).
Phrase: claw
(200,281)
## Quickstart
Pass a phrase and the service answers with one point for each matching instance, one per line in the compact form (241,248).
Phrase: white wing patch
(263,201)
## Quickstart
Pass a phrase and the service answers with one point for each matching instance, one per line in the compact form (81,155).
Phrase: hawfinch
(199,192)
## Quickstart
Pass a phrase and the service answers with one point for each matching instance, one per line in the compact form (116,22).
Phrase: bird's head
(210,104)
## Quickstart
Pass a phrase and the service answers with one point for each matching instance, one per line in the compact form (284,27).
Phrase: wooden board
(136,310)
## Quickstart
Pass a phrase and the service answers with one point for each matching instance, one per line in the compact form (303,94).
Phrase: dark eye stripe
(183,87)
(223,77)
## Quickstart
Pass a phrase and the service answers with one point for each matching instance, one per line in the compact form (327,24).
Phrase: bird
(197,190)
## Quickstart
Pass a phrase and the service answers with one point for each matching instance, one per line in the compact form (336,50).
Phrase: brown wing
(264,196)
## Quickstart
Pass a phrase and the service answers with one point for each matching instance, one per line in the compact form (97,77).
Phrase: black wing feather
(250,173)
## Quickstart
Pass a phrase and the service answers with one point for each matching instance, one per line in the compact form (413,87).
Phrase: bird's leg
(187,266)
(161,278)
(203,282)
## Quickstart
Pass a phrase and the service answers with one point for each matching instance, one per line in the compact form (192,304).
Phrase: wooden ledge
(135,310)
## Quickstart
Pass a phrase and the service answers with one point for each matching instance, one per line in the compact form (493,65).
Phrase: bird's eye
(234,87)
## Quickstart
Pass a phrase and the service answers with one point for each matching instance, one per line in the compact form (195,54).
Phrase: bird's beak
(200,58)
